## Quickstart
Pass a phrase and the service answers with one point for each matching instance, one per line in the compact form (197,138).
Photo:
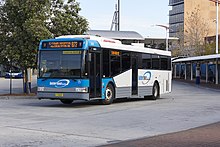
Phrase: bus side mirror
(90,57)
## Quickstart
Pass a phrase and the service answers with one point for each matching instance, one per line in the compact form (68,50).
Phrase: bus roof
(97,38)
(134,48)
(116,44)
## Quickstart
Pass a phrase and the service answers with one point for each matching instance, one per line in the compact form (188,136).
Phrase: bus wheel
(155,91)
(66,101)
(109,95)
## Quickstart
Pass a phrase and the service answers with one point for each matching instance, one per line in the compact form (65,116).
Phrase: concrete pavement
(17,85)
(204,136)
(31,122)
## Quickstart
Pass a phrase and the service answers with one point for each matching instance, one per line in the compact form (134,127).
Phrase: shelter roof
(197,58)
(128,35)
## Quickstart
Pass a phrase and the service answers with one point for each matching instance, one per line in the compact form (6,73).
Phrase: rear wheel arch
(156,90)
(111,83)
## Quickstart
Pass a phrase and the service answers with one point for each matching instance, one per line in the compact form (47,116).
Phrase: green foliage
(22,27)
(209,48)
(65,19)
(195,32)
(23,23)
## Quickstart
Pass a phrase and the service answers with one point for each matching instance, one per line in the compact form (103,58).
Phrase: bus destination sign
(63,44)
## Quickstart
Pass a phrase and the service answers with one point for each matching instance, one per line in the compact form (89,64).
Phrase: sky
(135,15)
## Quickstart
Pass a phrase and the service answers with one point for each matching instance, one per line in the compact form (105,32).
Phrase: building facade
(176,17)
(182,9)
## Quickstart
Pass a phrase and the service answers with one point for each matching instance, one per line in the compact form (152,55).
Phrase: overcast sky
(136,15)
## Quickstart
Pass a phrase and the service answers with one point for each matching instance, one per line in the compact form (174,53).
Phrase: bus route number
(62,44)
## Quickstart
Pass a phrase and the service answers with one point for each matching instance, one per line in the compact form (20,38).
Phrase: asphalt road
(32,122)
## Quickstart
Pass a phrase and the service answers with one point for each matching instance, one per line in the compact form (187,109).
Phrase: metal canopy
(121,35)
(197,58)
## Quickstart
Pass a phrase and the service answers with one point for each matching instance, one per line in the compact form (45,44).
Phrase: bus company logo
(145,78)
(60,84)
(79,81)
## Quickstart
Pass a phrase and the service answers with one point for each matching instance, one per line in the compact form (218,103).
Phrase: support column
(206,73)
(174,70)
(185,70)
(216,72)
(180,70)
(191,67)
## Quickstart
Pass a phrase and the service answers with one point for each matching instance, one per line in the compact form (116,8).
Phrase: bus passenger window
(155,62)
(169,63)
(106,63)
(126,61)
(146,61)
(115,63)
(164,62)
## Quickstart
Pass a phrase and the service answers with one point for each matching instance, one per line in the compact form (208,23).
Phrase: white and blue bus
(84,67)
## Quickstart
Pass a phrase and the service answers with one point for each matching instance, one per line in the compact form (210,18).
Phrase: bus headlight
(81,89)
(40,88)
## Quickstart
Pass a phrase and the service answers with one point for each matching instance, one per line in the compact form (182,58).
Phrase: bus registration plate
(59,94)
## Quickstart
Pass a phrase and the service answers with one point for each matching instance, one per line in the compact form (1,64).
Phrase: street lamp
(118,15)
(217,3)
(167,41)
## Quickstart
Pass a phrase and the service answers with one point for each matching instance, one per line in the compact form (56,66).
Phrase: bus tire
(66,101)
(155,91)
(109,95)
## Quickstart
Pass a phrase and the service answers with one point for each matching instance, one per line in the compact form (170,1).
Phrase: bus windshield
(60,64)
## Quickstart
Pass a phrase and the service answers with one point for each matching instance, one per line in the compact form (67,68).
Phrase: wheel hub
(155,91)
(108,94)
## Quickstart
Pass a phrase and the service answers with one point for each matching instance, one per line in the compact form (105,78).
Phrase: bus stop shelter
(208,65)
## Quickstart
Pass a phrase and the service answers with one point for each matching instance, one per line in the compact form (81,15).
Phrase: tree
(196,30)
(179,49)
(65,18)
(22,27)
(192,36)
(23,23)
(210,48)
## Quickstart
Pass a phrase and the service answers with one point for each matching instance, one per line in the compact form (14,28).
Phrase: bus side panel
(167,82)
(123,84)
(164,79)
(147,78)
(145,82)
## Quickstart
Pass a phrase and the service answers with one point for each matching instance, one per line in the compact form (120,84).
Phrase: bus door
(95,73)
(134,74)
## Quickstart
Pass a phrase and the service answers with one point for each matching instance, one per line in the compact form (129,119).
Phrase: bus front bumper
(52,95)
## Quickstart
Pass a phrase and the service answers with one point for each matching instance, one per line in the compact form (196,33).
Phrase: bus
(85,67)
